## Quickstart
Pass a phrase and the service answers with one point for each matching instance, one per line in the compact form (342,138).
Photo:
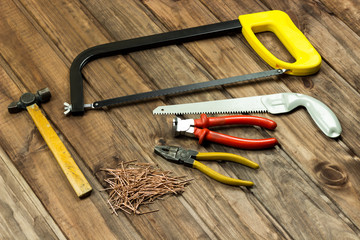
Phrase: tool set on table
(307,62)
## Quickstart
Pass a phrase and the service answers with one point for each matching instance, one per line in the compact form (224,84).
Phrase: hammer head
(27,99)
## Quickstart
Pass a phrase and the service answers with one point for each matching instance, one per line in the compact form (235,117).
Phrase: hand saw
(307,62)
(278,103)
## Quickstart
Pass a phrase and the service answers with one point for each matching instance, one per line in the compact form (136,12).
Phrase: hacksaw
(307,59)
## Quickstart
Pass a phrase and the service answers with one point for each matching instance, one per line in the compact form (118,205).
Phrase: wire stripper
(199,128)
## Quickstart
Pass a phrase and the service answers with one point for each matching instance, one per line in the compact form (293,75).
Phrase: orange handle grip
(205,122)
(243,143)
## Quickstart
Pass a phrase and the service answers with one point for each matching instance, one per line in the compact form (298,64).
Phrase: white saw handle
(322,115)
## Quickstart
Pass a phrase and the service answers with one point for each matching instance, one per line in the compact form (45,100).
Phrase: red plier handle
(201,131)
(205,122)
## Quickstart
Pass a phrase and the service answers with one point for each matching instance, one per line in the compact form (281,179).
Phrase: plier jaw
(177,155)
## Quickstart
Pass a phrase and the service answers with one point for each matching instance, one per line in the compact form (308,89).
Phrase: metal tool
(187,157)
(30,102)
(322,115)
(307,62)
(199,128)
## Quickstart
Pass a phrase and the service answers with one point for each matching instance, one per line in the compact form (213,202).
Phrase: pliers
(199,129)
(187,157)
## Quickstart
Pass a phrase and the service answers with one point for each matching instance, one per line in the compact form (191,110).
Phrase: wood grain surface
(307,187)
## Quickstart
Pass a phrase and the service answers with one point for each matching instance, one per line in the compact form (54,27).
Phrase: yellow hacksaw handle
(308,60)
(73,173)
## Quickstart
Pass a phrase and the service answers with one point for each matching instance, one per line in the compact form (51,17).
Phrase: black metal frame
(137,44)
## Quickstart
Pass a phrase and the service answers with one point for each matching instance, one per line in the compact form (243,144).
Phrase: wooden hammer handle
(73,173)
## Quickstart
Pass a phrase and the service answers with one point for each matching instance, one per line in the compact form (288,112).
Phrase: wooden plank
(207,209)
(147,121)
(24,143)
(342,22)
(76,218)
(174,22)
(160,67)
(143,59)
(324,31)
(22,214)
(322,85)
(147,224)
(116,142)
(347,11)
(336,43)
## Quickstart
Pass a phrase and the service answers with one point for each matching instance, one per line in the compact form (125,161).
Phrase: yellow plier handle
(227,157)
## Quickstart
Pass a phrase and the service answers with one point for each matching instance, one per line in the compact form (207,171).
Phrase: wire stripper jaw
(183,127)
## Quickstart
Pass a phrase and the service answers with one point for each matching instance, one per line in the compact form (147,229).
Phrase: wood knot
(161,141)
(331,174)
(308,83)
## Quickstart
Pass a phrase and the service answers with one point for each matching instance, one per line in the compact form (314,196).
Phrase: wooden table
(306,188)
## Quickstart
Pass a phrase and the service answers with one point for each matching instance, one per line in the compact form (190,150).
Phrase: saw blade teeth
(212,112)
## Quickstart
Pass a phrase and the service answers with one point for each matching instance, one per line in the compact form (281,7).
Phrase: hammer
(31,103)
